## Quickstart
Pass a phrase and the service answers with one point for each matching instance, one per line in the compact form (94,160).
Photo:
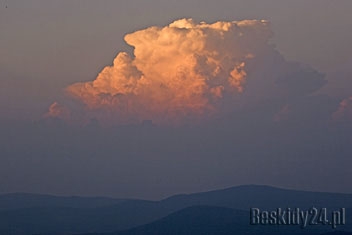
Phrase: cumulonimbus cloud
(191,71)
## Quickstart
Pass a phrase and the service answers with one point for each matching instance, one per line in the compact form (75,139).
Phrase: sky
(147,99)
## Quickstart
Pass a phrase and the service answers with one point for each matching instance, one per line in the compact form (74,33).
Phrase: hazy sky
(283,123)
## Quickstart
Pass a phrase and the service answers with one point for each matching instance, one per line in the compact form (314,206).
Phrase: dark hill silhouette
(196,220)
(338,233)
(206,220)
(29,214)
(248,196)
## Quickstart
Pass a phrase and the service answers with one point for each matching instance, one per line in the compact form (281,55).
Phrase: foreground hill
(205,220)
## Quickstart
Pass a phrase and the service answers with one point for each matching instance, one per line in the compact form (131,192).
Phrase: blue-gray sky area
(281,116)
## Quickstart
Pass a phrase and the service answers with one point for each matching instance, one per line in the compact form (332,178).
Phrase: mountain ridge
(55,215)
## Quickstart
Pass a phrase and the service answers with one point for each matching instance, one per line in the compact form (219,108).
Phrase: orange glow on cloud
(57,110)
(178,72)
(344,112)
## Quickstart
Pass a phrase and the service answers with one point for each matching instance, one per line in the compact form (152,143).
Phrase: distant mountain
(41,214)
(265,197)
(69,220)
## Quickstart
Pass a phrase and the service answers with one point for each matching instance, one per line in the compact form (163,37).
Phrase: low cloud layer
(189,71)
